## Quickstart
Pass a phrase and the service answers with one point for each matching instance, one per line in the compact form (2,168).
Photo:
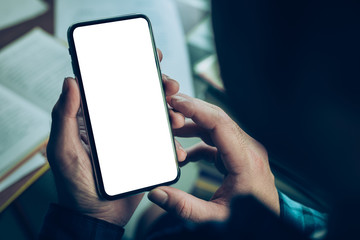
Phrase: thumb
(64,127)
(186,205)
(69,102)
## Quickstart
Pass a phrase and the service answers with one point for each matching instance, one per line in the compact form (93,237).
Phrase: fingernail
(165,77)
(178,145)
(65,85)
(158,196)
(181,148)
(178,98)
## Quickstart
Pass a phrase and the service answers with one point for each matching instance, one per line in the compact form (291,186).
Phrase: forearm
(62,223)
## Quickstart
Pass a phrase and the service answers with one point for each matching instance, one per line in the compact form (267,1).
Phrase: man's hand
(241,158)
(68,155)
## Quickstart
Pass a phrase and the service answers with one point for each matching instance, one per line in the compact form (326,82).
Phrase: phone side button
(74,68)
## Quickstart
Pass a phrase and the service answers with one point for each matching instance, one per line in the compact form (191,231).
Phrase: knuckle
(240,134)
(56,111)
(183,209)
(190,109)
(220,115)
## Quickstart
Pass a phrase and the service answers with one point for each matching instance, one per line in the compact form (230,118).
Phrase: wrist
(109,217)
(62,221)
(98,210)
(269,196)
(101,214)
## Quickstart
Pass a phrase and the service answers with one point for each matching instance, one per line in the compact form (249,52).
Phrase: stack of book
(208,181)
(31,75)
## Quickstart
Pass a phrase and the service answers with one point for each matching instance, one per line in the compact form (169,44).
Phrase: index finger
(202,113)
(227,136)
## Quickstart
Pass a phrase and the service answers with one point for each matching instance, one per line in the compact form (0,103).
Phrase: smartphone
(123,102)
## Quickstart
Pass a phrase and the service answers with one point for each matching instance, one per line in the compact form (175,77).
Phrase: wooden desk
(46,22)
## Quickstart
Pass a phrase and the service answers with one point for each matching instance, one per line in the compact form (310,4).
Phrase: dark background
(291,69)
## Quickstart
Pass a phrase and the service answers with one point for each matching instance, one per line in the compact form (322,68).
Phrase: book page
(166,23)
(33,163)
(34,67)
(32,70)
(23,127)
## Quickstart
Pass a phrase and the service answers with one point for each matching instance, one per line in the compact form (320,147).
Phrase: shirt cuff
(309,221)
(63,223)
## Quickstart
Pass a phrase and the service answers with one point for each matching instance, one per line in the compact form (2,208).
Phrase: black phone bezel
(93,152)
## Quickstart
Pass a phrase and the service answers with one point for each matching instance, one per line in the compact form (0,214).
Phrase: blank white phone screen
(126,107)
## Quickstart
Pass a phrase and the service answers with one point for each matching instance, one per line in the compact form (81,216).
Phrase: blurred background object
(18,11)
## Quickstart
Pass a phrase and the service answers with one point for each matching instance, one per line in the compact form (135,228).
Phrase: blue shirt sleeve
(307,220)
(65,224)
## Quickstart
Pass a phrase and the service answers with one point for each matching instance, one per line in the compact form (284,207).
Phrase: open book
(167,27)
(31,75)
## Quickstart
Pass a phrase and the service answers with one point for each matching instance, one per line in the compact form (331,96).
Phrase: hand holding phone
(69,157)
